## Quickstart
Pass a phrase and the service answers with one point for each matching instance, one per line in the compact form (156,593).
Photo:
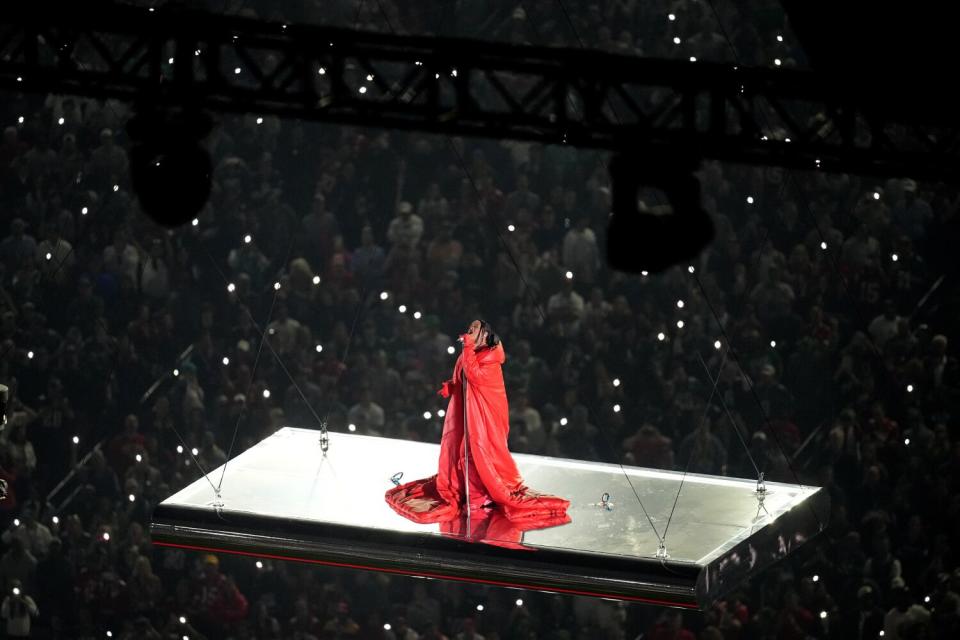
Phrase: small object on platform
(395,478)
(605,502)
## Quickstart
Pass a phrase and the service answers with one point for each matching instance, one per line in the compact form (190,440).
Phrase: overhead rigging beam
(586,99)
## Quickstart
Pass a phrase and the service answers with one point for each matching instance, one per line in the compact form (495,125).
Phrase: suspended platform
(283,499)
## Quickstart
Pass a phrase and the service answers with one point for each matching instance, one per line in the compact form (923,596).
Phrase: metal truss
(586,99)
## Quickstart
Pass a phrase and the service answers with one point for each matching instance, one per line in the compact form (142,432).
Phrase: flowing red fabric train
(493,473)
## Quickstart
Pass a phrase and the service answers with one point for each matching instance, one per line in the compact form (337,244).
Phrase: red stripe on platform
(441,576)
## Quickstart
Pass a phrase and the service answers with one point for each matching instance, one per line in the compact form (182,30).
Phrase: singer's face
(479,335)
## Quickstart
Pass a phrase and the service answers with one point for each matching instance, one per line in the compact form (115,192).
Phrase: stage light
(416,315)
(386,626)
(259,565)
(19,78)
(55,520)
(691,269)
(176,372)
(266,393)
(823,615)
(16,522)
(654,238)
(169,60)
(236,70)
(563,422)
(179,448)
(569,275)
(427,415)
(616,382)
(441,412)
(131,497)
(661,336)
(402,308)
(777,61)
(169,169)
(363,89)
(316,280)
(676,40)
(749,199)
(109,634)
(49,256)
(226,361)
(195,221)
(352,427)
(196,52)
(644,273)
(183,620)
(60,121)
(671,17)
(909,388)
(30,355)
(881,633)
(260,120)
(436,76)
(679,324)
(76,439)
(84,211)
(231,287)
(451,350)
(616,408)
(716,344)
(322,71)
(319,348)
(773,344)
(384,295)
(511,228)
(679,304)
(894,257)
(876,195)
(823,245)
(116,188)
(138,458)
(693,58)
(106,536)
(926,599)
(369,77)
(479,607)
(816,578)
(453,73)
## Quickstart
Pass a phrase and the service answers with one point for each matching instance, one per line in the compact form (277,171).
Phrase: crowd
(135,353)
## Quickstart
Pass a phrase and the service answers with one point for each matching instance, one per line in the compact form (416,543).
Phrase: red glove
(446,389)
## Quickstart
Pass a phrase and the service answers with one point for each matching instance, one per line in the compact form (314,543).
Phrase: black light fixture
(651,239)
(170,170)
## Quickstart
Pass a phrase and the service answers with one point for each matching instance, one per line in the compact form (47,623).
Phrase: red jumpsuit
(493,475)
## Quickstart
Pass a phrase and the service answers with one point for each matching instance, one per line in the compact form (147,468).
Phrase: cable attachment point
(324,437)
(217,502)
(395,478)
(662,551)
(761,491)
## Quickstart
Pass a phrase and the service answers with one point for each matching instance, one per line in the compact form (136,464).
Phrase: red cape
(493,473)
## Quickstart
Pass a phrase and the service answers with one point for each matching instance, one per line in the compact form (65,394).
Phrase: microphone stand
(466,448)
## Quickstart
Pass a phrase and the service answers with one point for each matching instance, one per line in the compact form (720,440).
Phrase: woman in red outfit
(478,400)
